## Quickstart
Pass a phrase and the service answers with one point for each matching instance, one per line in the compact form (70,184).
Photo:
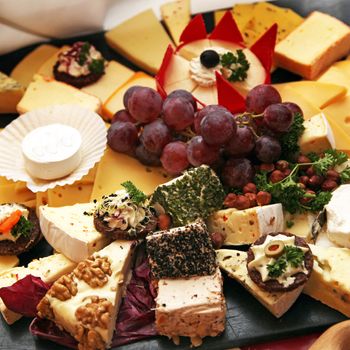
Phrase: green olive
(274,249)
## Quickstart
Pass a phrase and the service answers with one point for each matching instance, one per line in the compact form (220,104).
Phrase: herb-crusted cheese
(195,194)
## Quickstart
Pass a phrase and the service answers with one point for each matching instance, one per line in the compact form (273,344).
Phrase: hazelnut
(230,200)
(242,202)
(252,198)
(217,239)
(304,179)
(250,187)
(311,195)
(287,172)
(268,167)
(332,175)
(263,198)
(282,165)
(276,176)
(303,159)
(310,171)
(329,185)
(315,181)
(301,185)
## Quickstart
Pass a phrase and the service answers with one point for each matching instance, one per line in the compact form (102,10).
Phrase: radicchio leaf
(24,295)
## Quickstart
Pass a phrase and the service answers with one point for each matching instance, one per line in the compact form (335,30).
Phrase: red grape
(174,157)
(293,107)
(145,104)
(122,137)
(122,116)
(267,149)
(146,157)
(260,97)
(155,136)
(237,172)
(218,127)
(198,152)
(278,117)
(242,143)
(128,93)
(185,95)
(202,113)
(178,113)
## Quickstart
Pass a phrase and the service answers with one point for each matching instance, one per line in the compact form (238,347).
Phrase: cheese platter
(322,97)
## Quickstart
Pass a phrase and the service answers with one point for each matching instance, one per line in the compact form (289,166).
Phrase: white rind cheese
(71,232)
(246,226)
(299,224)
(234,263)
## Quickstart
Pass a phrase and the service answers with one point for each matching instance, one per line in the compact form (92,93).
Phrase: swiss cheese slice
(115,168)
(30,64)
(115,102)
(11,93)
(335,75)
(176,15)
(115,75)
(141,39)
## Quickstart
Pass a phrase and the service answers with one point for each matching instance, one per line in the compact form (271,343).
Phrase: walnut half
(64,288)
(45,310)
(88,339)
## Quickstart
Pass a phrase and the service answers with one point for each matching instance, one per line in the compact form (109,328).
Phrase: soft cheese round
(52,151)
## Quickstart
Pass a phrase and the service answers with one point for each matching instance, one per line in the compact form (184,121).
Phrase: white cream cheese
(52,151)
(5,211)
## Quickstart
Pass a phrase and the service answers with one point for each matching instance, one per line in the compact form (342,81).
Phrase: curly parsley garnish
(137,196)
(97,66)
(84,51)
(22,228)
(293,256)
(238,65)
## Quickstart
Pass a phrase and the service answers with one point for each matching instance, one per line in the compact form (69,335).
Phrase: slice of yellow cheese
(176,15)
(141,39)
(344,66)
(115,75)
(335,75)
(30,64)
(115,168)
(46,68)
(69,194)
(11,93)
(115,102)
(7,262)
(43,92)
(318,93)
(8,194)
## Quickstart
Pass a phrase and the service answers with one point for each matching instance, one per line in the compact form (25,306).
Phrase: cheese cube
(299,224)
(46,92)
(234,262)
(329,281)
(141,39)
(11,93)
(302,52)
(246,226)
(317,136)
(70,230)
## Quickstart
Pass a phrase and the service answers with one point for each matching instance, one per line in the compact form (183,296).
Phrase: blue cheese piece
(85,302)
(234,262)
(70,230)
(246,226)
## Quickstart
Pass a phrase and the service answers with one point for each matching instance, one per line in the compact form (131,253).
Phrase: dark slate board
(248,322)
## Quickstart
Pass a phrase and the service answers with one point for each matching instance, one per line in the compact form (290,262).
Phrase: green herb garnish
(22,228)
(238,65)
(293,256)
(345,175)
(137,196)
(289,223)
(97,66)
(84,51)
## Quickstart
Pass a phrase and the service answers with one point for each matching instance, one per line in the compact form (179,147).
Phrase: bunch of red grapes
(176,135)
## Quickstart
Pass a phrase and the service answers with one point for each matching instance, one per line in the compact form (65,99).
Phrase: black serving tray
(248,322)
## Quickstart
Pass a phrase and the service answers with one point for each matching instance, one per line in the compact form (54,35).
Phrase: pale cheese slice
(178,70)
(334,75)
(7,262)
(234,263)
(44,92)
(207,95)
(194,49)
(9,193)
(299,224)
(70,230)
(31,63)
(11,93)
(46,68)
(141,39)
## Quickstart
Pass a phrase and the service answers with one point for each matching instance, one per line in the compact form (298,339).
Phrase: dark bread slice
(273,285)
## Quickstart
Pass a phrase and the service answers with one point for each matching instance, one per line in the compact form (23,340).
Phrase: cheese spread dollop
(5,211)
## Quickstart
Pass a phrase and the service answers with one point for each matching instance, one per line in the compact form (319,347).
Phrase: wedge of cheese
(70,230)
(299,224)
(303,53)
(7,262)
(69,194)
(115,76)
(30,64)
(318,135)
(194,48)
(329,281)
(11,93)
(46,68)
(49,269)
(207,95)
(176,15)
(141,39)
(115,102)
(44,92)
(234,263)
(246,226)
(89,310)
(109,177)
(9,193)
(335,75)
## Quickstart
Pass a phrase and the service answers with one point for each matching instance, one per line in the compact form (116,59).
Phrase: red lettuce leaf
(135,319)
(24,295)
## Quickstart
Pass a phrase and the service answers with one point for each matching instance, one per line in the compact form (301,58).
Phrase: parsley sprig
(137,196)
(293,256)
(97,66)
(84,51)
(237,65)
(22,228)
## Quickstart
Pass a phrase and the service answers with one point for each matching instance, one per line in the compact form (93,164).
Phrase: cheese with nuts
(234,263)
(49,269)
(85,302)
(70,230)
(329,281)
(246,226)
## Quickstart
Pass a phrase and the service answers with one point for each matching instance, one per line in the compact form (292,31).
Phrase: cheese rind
(234,263)
(246,226)
(70,230)
(303,53)
(11,93)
